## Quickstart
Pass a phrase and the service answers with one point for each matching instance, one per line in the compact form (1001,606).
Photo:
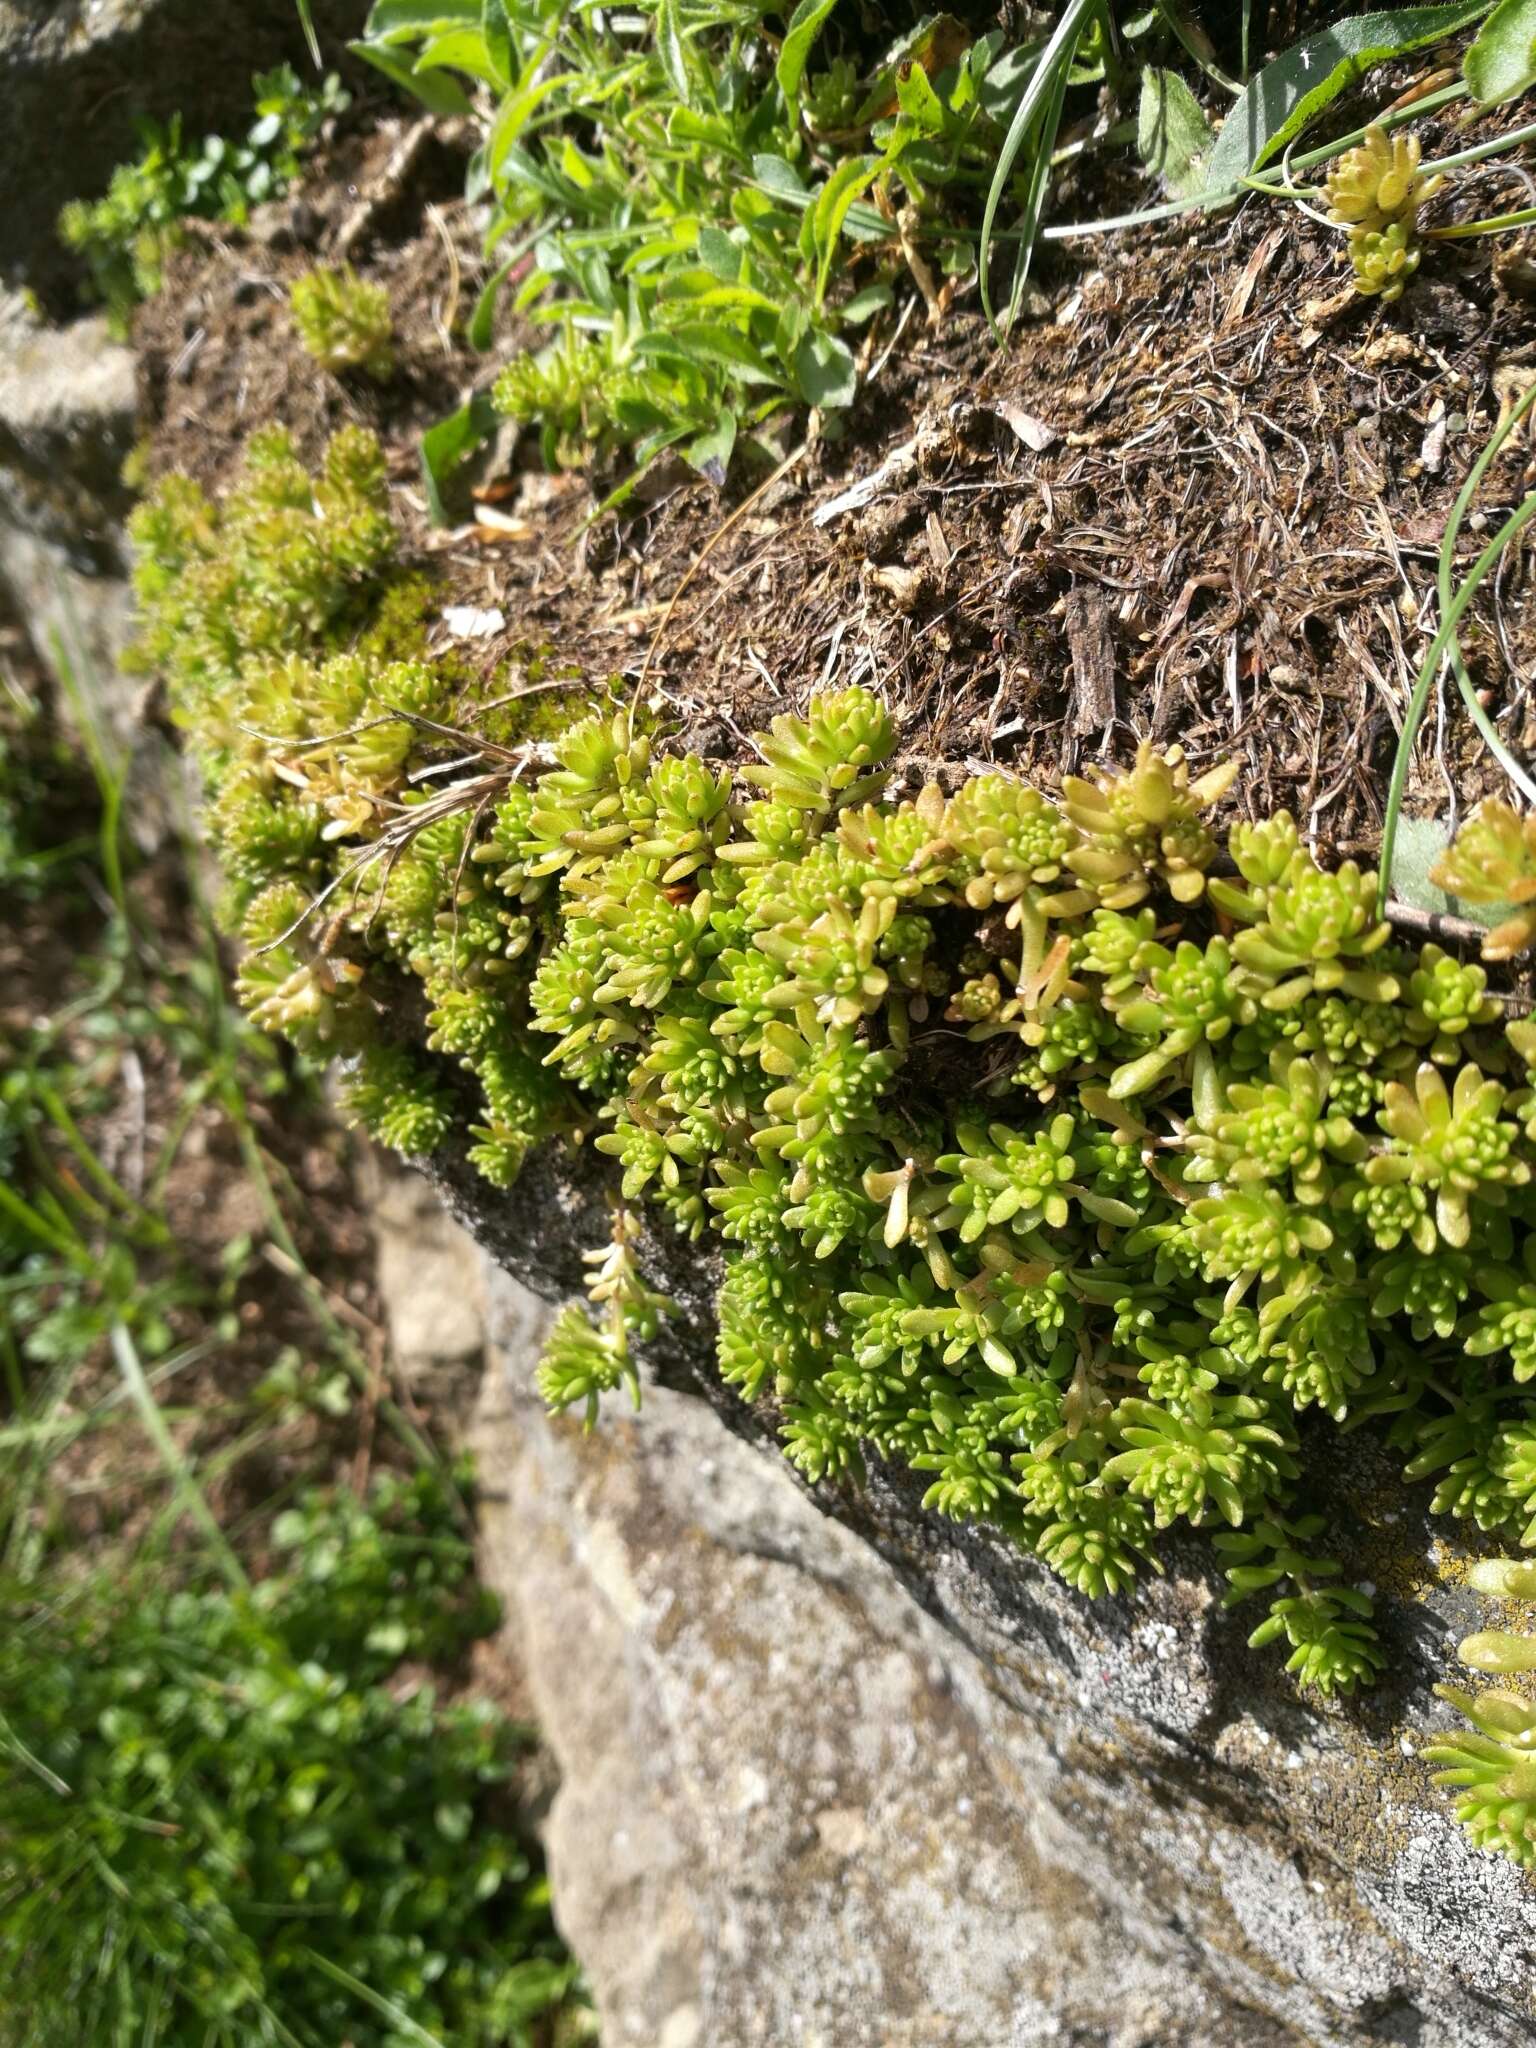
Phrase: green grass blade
(1520,518)
(1459,511)
(59,1116)
(411,2029)
(111,777)
(1046,132)
(1055,58)
(177,1467)
(57,1240)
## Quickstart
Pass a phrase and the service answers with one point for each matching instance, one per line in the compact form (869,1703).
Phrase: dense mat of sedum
(1046,1160)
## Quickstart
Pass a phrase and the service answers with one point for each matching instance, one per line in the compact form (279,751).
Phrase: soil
(1200,495)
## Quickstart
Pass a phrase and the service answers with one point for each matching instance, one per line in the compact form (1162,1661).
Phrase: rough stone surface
(66,423)
(837,1771)
(431,1290)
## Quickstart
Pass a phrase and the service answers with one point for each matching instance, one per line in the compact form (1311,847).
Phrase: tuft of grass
(229,1818)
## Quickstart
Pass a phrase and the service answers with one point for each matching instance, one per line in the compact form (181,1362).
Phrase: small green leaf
(918,100)
(402,21)
(825,371)
(460,49)
(438,94)
(1501,62)
(848,182)
(480,330)
(669,48)
(780,177)
(710,452)
(454,1818)
(516,111)
(865,304)
(1173,137)
(497,29)
(697,341)
(720,255)
(805,25)
(445,446)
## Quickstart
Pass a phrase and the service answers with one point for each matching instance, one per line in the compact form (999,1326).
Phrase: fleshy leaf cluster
(1374,191)
(1061,1146)
(1493,1767)
(344,322)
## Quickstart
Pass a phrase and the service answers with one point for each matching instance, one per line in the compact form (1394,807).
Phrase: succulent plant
(1144,826)
(1384,260)
(344,322)
(1492,860)
(1045,1161)
(831,757)
(1453,1142)
(1378,181)
(1494,1767)
(1202,1453)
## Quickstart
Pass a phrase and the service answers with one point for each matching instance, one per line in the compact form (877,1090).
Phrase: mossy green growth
(1044,1158)
(344,322)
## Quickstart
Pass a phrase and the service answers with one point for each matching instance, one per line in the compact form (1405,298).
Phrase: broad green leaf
(1278,103)
(1173,137)
(918,101)
(825,371)
(669,48)
(1501,62)
(793,320)
(437,93)
(710,452)
(402,21)
(805,25)
(865,304)
(745,297)
(497,30)
(696,342)
(686,124)
(516,111)
(460,49)
(936,47)
(852,177)
(779,177)
(445,446)
(720,254)
(1005,80)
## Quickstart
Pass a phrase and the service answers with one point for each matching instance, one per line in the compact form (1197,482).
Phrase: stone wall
(835,1771)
